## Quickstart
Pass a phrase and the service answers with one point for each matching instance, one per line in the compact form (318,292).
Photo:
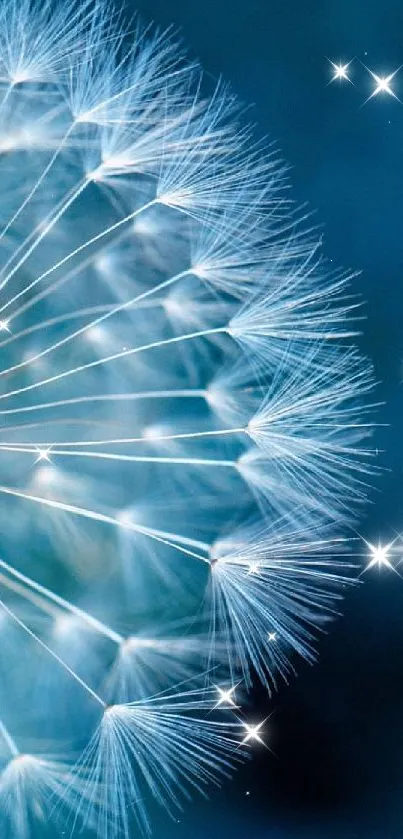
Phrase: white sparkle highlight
(43,454)
(380,556)
(340,71)
(382,85)
(226,696)
(253,733)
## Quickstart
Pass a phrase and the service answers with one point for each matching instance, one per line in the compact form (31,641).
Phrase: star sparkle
(379,556)
(383,84)
(340,71)
(226,696)
(253,733)
(43,455)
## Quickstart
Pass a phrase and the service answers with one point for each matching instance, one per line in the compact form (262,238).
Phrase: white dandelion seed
(184,423)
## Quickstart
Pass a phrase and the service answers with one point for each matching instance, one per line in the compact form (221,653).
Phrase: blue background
(337,731)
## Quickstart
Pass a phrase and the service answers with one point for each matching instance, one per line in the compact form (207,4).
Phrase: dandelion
(183,423)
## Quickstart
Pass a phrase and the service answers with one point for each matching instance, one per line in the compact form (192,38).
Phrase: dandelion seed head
(184,422)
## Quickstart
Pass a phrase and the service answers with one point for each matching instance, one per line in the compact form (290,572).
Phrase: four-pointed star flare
(382,84)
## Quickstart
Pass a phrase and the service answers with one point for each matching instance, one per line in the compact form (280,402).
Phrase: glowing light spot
(144,226)
(253,733)
(96,335)
(104,263)
(45,476)
(152,433)
(383,84)
(340,71)
(64,625)
(226,697)
(43,454)
(380,556)
(173,307)
(125,518)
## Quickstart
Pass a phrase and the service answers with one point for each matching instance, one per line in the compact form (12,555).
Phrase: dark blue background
(337,731)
